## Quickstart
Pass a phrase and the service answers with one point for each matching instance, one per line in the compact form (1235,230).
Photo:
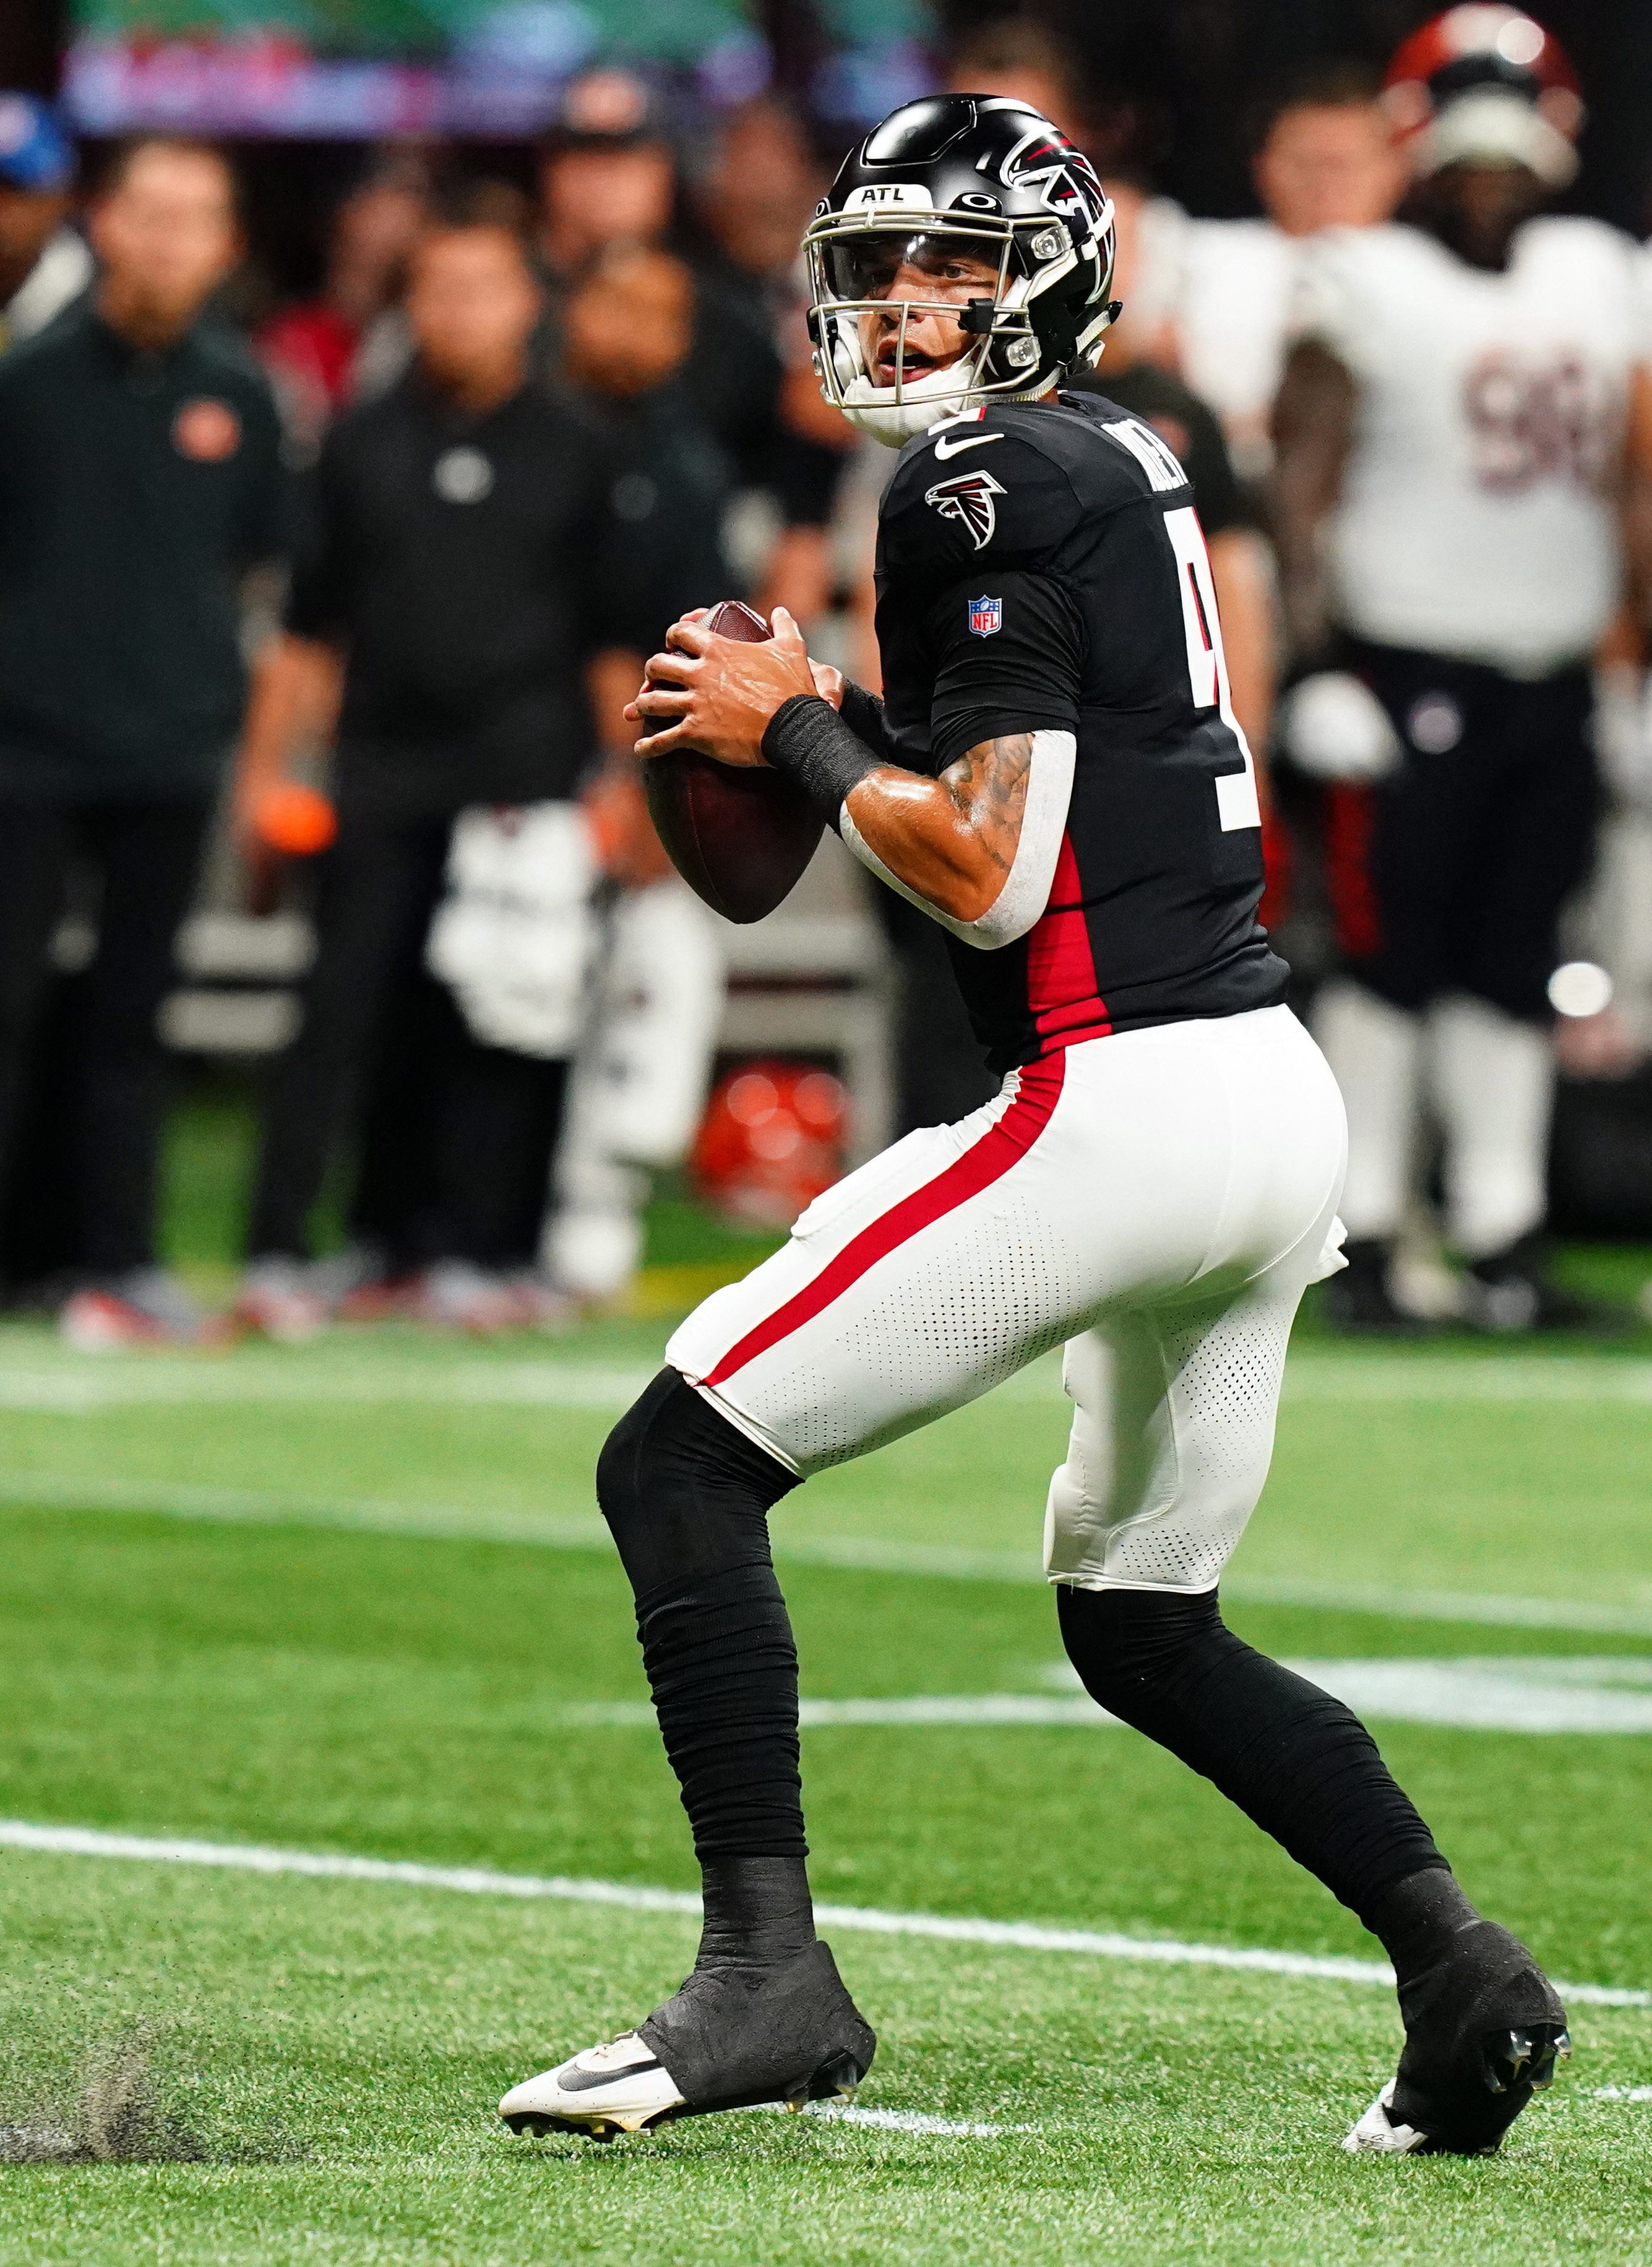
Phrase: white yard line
(1530,1694)
(480,1880)
(902,2121)
(857,1554)
(45,1382)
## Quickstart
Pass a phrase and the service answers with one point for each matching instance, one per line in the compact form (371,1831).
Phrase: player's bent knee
(1133,1649)
(681,1488)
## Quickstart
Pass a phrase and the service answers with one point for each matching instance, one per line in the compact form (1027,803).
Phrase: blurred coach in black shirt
(462,588)
(139,477)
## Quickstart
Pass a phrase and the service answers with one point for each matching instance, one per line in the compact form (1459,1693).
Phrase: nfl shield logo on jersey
(986,615)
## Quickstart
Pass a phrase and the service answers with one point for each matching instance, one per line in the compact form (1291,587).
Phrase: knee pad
(682,1490)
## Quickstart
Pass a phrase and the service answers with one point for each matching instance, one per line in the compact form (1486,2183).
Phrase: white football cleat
(737,2035)
(620,2087)
(1376,2130)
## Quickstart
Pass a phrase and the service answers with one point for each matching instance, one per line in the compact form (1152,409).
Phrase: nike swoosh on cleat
(585,2081)
(945,448)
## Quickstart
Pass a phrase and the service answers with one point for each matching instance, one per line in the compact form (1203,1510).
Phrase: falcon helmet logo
(968,497)
(985,617)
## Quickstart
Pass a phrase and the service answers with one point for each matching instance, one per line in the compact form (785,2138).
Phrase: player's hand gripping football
(717,695)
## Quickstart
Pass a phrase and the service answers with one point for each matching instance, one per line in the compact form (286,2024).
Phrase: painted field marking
(1621,2093)
(40,1381)
(903,2120)
(1535,1693)
(481,1880)
(856,1555)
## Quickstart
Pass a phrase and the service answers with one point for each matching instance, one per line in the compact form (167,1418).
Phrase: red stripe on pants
(985,1162)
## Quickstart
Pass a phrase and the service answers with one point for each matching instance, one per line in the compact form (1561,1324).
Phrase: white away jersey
(1238,289)
(1476,516)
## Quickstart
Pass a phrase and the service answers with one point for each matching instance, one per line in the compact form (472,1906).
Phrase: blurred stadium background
(349,1597)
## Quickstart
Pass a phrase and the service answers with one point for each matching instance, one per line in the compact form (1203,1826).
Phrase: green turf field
(354,1600)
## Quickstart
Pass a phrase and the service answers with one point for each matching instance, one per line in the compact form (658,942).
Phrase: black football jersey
(1042,568)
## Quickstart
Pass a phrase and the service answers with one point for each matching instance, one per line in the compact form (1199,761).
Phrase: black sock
(1293,1760)
(688,1497)
(1415,1919)
(758,1910)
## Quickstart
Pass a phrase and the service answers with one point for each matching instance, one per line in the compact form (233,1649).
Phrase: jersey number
(1237,805)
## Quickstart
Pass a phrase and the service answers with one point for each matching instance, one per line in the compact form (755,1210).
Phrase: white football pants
(1157,1200)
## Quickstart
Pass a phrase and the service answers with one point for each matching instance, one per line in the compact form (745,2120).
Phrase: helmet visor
(941,263)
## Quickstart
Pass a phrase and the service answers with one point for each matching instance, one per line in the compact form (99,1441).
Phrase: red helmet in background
(772,1139)
(1485,86)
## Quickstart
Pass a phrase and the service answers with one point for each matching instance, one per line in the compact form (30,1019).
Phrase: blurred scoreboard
(368,69)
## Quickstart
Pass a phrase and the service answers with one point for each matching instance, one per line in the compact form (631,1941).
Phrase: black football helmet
(974,173)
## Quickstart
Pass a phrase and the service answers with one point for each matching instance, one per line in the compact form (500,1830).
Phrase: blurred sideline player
(1325,159)
(457,587)
(609,184)
(44,263)
(318,351)
(1453,432)
(1055,774)
(140,480)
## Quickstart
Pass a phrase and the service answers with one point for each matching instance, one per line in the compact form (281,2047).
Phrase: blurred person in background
(643,1064)
(140,479)
(755,198)
(627,332)
(1465,438)
(44,263)
(1325,157)
(609,180)
(315,350)
(459,587)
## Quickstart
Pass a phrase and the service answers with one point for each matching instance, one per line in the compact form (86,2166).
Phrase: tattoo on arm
(987,785)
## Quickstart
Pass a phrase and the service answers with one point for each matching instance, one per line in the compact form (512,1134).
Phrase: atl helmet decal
(968,497)
(1064,178)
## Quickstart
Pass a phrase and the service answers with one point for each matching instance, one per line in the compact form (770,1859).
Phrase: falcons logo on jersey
(967,497)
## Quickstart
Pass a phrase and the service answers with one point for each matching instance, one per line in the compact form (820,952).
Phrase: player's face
(924,274)
(595,197)
(1329,166)
(167,235)
(471,305)
(631,324)
(1476,209)
(27,218)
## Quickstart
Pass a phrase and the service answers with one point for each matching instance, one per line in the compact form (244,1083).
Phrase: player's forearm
(1313,427)
(953,840)
(611,679)
(1636,502)
(296,689)
(1241,571)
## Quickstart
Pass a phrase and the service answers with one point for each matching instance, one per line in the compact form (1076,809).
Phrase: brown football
(739,837)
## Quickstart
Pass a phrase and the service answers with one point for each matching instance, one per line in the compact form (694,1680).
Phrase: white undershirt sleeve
(1026,890)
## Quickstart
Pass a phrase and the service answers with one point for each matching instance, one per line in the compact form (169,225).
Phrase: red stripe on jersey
(983,1163)
(1062,994)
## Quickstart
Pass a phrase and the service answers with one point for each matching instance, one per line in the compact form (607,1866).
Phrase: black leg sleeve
(1295,1760)
(687,1499)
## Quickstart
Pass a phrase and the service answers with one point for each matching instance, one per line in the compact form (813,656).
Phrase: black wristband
(807,739)
(863,713)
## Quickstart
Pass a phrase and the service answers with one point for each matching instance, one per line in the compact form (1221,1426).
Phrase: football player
(1055,776)
(1466,408)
